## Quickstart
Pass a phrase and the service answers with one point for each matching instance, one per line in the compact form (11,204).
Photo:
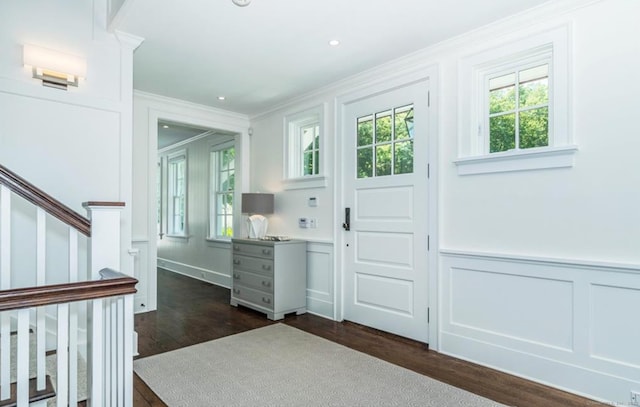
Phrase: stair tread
(34,395)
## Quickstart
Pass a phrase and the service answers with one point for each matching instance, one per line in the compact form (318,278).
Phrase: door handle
(347,219)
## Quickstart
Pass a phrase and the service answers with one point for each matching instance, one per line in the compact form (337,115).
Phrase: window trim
(293,154)
(474,71)
(176,156)
(213,175)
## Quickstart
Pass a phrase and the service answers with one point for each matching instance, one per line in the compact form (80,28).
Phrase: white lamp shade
(45,58)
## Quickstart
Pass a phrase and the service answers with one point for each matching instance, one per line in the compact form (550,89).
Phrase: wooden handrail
(36,196)
(112,284)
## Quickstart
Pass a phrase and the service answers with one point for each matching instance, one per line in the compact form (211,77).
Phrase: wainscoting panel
(566,323)
(611,337)
(320,279)
(503,306)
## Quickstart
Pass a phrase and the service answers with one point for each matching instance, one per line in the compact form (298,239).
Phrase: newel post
(104,252)
(104,245)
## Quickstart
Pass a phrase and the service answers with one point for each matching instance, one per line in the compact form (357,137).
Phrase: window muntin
(384,143)
(518,109)
(177,192)
(222,191)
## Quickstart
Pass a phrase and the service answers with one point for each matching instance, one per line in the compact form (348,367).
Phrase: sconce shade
(55,68)
(257,203)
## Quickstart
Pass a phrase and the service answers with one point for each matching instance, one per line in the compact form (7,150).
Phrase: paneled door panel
(385,185)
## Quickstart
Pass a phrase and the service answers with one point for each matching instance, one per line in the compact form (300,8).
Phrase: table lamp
(256,205)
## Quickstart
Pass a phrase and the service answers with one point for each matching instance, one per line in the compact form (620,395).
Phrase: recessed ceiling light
(334,43)
(165,126)
(220,97)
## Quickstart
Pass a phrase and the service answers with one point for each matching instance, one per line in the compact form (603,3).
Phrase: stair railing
(88,298)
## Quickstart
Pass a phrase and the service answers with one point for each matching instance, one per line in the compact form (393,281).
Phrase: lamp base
(257,226)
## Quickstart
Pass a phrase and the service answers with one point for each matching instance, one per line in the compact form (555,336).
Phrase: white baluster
(5,283)
(95,353)
(119,368)
(41,257)
(128,324)
(109,361)
(22,359)
(73,320)
(62,354)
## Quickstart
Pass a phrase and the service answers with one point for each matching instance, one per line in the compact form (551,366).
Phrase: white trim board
(199,273)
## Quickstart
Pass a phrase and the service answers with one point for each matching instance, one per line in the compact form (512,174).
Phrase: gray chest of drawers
(270,277)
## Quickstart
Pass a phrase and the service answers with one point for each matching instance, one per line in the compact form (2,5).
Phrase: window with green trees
(222,192)
(177,183)
(310,143)
(519,109)
(385,143)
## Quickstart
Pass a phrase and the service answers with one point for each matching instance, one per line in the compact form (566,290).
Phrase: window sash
(222,190)
(177,191)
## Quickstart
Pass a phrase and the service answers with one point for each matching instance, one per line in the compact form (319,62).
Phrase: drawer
(253,250)
(262,283)
(253,264)
(256,297)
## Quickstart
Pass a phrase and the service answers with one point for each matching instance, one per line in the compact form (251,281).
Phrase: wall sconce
(256,205)
(55,69)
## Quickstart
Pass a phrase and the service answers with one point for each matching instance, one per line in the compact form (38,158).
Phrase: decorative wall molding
(320,279)
(222,279)
(562,322)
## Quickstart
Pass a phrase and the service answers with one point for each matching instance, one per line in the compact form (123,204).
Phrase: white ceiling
(272,50)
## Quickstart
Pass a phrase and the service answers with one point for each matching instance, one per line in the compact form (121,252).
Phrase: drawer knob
(236,261)
(266,267)
(266,300)
(266,283)
(236,247)
(236,291)
(266,251)
(236,276)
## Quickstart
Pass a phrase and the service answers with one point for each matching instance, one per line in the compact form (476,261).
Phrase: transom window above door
(384,143)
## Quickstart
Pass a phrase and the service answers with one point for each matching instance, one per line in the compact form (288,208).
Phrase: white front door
(385,188)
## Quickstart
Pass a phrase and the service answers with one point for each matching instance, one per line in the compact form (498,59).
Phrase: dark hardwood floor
(192,311)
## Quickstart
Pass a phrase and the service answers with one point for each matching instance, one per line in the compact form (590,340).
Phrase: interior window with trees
(385,143)
(222,191)
(177,191)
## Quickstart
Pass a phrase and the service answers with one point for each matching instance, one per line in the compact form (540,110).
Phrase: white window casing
(550,47)
(294,176)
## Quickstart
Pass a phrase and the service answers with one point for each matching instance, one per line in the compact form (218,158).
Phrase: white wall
(540,270)
(147,110)
(75,145)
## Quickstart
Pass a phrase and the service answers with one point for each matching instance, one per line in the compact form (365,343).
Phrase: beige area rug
(278,365)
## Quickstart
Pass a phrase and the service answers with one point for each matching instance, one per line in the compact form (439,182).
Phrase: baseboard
(319,307)
(574,379)
(199,273)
